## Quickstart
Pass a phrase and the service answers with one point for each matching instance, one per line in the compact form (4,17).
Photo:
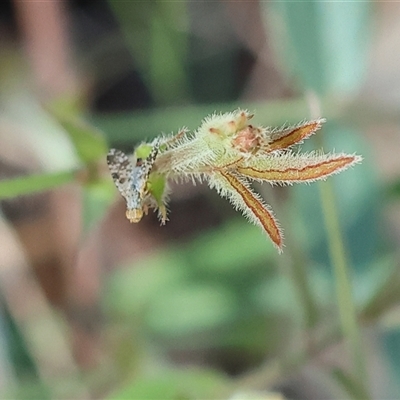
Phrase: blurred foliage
(210,301)
(326,43)
(175,384)
(89,143)
(34,183)
(226,293)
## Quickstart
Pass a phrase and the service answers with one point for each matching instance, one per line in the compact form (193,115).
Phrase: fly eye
(139,162)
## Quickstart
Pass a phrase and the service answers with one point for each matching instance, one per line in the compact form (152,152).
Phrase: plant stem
(347,311)
(295,265)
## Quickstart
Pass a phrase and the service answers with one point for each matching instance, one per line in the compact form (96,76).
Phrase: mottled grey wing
(121,170)
(151,158)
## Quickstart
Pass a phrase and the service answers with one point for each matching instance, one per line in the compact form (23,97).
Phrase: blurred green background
(204,307)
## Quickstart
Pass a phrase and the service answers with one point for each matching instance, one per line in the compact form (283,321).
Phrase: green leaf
(34,183)
(175,385)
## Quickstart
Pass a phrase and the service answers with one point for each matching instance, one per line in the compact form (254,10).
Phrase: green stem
(28,184)
(294,263)
(347,311)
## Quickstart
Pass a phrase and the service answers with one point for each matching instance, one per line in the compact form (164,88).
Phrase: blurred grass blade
(34,183)
(349,384)
(90,144)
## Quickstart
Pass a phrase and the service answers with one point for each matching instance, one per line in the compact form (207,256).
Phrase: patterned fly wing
(131,179)
(142,169)
(121,170)
(124,175)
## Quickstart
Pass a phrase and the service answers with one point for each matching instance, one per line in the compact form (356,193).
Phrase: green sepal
(156,186)
(143,150)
